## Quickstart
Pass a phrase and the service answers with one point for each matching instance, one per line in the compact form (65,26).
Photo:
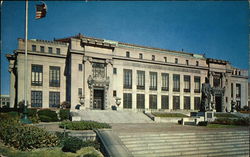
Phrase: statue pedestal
(208,115)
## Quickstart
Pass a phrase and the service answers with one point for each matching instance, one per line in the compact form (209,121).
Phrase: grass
(47,152)
(220,126)
(169,115)
(225,115)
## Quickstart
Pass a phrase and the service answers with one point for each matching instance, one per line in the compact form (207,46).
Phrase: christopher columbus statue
(206,96)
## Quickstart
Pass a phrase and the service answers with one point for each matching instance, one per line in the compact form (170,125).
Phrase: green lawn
(169,115)
(47,152)
(225,115)
(220,126)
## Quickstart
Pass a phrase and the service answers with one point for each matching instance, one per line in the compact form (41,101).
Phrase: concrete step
(152,147)
(191,150)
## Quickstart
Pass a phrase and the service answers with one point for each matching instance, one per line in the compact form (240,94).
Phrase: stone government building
(100,70)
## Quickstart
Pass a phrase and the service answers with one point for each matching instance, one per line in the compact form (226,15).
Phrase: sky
(218,29)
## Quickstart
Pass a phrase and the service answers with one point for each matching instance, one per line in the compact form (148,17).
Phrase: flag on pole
(41,10)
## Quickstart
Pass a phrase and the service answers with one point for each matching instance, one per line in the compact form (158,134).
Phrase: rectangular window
(165,82)
(54,99)
(152,101)
(98,70)
(80,67)
(140,56)
(197,84)
(58,51)
(140,101)
(54,76)
(165,59)
(238,91)
(114,71)
(164,102)
(187,62)
(176,102)
(217,81)
(232,90)
(186,103)
(127,100)
(186,83)
(36,98)
(153,80)
(176,85)
(140,79)
(153,57)
(34,48)
(41,48)
(36,75)
(176,60)
(114,93)
(197,63)
(50,50)
(79,92)
(127,78)
(197,102)
(128,54)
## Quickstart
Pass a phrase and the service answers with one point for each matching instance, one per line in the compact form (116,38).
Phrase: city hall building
(95,72)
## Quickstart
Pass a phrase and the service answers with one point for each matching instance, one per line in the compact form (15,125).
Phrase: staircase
(209,143)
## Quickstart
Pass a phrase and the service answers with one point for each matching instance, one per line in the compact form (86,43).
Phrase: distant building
(4,101)
(97,71)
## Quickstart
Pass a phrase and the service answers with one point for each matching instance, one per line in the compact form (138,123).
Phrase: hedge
(83,125)
(47,115)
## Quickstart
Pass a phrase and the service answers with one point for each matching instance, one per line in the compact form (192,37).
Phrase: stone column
(109,86)
(223,85)
(88,88)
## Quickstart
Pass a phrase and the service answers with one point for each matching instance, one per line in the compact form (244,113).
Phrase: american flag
(41,10)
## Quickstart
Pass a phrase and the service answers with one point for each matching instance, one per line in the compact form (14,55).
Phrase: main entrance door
(98,99)
(218,103)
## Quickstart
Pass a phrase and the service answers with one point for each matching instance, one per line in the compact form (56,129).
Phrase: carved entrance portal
(218,99)
(98,102)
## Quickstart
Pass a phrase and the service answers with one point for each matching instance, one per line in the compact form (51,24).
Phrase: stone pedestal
(208,115)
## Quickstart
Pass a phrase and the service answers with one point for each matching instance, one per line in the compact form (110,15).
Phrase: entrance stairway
(208,143)
(111,116)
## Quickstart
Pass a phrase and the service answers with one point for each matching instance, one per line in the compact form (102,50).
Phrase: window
(217,81)
(140,79)
(232,90)
(238,91)
(153,57)
(127,78)
(36,75)
(36,98)
(114,93)
(34,48)
(186,83)
(187,62)
(114,71)
(128,54)
(186,103)
(165,82)
(50,50)
(197,63)
(54,76)
(41,48)
(176,60)
(164,102)
(98,70)
(176,80)
(58,51)
(127,100)
(153,80)
(197,103)
(79,92)
(152,101)
(197,83)
(80,67)
(140,56)
(165,59)
(140,99)
(54,99)
(176,102)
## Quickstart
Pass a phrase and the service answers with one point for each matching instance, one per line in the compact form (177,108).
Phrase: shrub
(238,121)
(65,105)
(83,125)
(64,114)
(90,143)
(47,115)
(72,144)
(13,114)
(32,112)
(25,137)
(203,123)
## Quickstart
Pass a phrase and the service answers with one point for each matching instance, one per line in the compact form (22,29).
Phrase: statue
(206,96)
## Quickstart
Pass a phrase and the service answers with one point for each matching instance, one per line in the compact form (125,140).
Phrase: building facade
(4,101)
(95,72)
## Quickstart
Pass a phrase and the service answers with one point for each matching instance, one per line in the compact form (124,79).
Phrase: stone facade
(100,71)
(4,100)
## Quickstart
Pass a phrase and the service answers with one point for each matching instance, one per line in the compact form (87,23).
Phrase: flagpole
(25,111)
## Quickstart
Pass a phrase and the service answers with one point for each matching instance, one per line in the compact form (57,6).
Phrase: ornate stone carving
(86,58)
